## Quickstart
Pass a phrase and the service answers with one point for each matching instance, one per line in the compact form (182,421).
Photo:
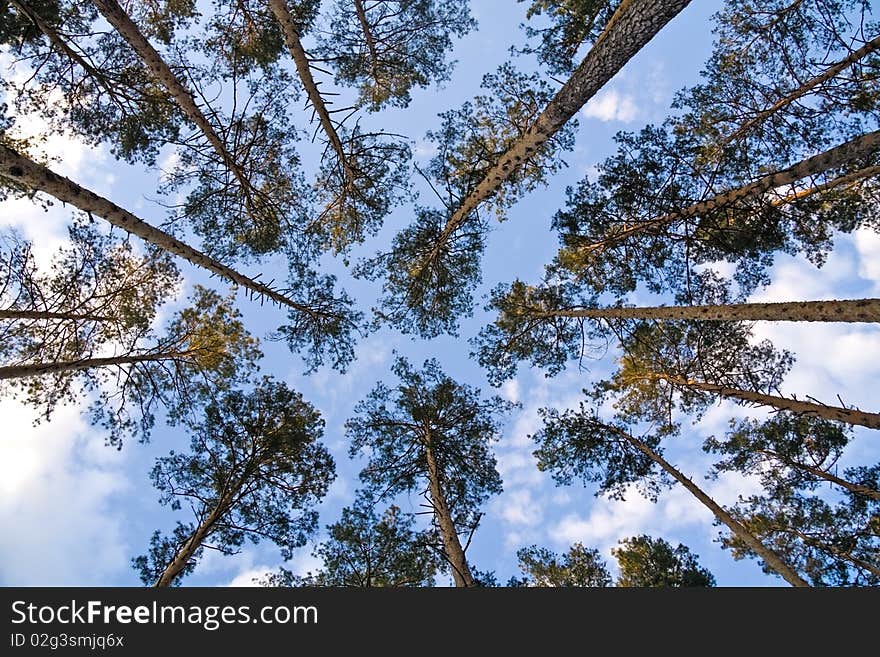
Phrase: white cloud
(58,482)
(867,243)
(612,105)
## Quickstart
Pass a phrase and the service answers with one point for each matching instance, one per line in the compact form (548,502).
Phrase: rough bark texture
(45,314)
(40,369)
(26,172)
(830,159)
(186,552)
(804,89)
(631,27)
(846,180)
(461,573)
(835,310)
(159,69)
(837,413)
(291,36)
(770,558)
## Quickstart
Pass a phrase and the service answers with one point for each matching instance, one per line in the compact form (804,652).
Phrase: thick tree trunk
(832,71)
(631,27)
(26,172)
(162,73)
(461,573)
(836,413)
(40,369)
(770,558)
(825,475)
(291,36)
(830,159)
(835,310)
(44,314)
(189,548)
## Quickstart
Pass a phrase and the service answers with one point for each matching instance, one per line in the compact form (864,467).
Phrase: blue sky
(73,512)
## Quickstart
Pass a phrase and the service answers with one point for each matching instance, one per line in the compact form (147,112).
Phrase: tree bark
(461,573)
(835,413)
(291,36)
(45,314)
(834,157)
(805,88)
(162,73)
(26,172)
(770,558)
(370,39)
(40,369)
(186,552)
(631,27)
(834,310)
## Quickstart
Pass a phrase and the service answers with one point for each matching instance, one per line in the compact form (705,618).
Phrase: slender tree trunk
(835,310)
(162,73)
(192,544)
(370,39)
(832,71)
(631,27)
(836,413)
(291,36)
(24,171)
(56,40)
(44,314)
(40,369)
(461,573)
(858,489)
(772,559)
(830,159)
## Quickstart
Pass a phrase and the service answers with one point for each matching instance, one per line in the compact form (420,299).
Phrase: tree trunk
(835,413)
(847,180)
(162,73)
(830,159)
(45,314)
(370,39)
(56,40)
(858,489)
(26,172)
(291,36)
(855,310)
(40,369)
(185,553)
(770,558)
(631,27)
(805,88)
(461,573)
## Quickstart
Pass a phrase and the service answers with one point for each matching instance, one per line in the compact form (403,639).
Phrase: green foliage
(254,471)
(525,329)
(650,562)
(395,426)
(572,24)
(361,189)
(367,550)
(393,46)
(433,267)
(579,566)
(579,445)
(106,94)
(830,541)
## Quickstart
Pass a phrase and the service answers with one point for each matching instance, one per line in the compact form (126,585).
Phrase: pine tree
(366,550)
(432,435)
(254,472)
(652,562)
(579,566)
